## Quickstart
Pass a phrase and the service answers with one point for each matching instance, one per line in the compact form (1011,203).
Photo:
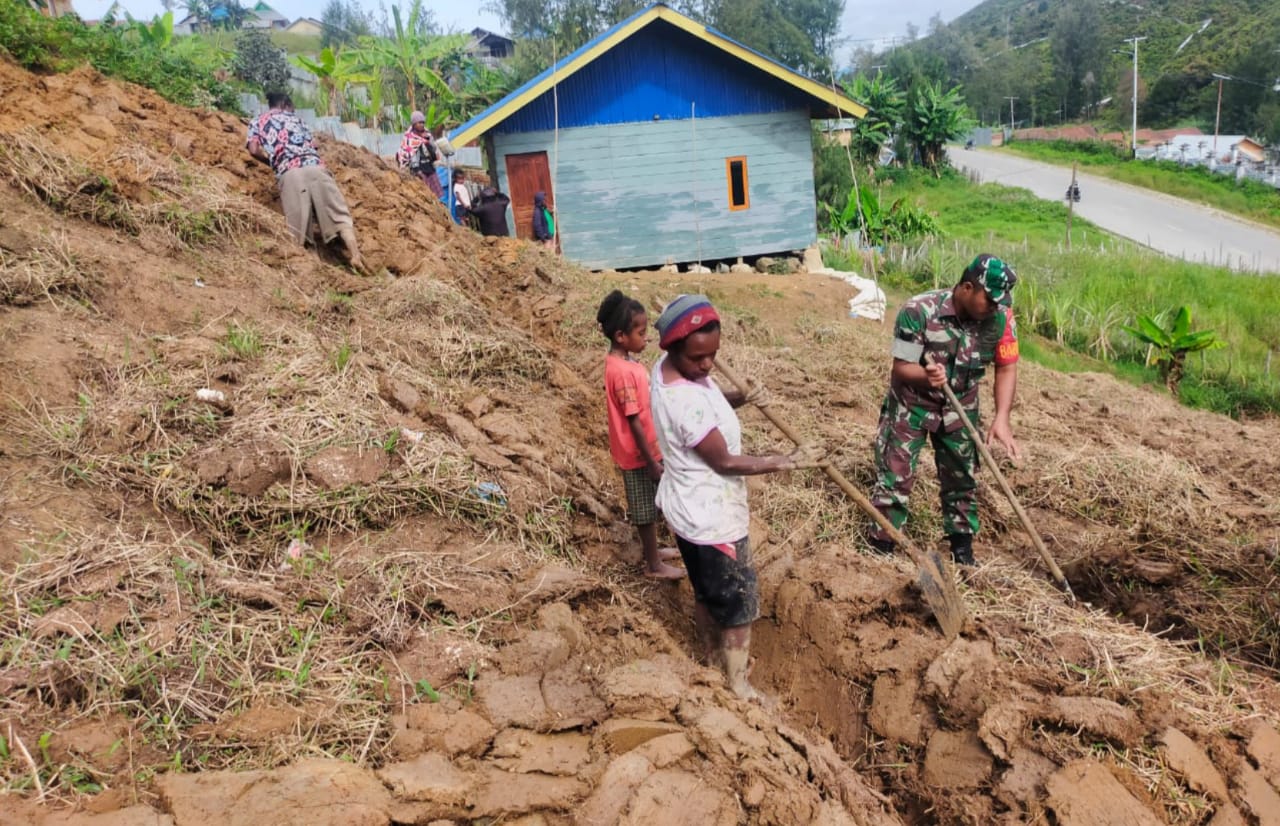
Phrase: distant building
(1196,148)
(1250,150)
(262,16)
(662,140)
(52,8)
(490,47)
(308,26)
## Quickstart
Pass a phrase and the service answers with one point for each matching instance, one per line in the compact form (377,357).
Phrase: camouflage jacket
(928,330)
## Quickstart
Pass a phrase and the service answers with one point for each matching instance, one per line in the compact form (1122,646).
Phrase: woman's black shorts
(725,585)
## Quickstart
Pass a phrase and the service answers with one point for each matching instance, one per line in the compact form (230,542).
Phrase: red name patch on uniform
(1007,347)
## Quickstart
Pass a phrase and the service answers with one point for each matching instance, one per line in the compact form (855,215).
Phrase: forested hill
(1060,58)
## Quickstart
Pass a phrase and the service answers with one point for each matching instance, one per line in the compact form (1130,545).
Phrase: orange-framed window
(735,169)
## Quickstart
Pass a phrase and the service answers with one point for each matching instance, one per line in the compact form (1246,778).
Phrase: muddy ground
(302,603)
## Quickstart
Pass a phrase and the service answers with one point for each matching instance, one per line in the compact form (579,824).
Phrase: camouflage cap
(995,276)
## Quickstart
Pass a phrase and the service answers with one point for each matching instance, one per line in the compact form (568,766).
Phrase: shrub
(259,62)
(59,45)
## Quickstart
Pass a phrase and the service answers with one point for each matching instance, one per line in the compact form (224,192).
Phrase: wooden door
(527,174)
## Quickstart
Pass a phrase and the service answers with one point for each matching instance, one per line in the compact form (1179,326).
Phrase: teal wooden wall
(640,194)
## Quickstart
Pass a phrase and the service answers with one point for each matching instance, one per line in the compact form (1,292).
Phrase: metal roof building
(661,140)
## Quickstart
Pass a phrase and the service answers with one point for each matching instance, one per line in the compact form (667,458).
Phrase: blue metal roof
(660,73)
(655,63)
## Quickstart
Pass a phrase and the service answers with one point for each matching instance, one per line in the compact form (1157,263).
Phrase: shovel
(1008,492)
(933,577)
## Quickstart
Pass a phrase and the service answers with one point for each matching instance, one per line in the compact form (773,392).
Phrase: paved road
(1173,226)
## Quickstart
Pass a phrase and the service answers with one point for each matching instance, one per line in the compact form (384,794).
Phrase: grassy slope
(1080,300)
(1237,24)
(1247,199)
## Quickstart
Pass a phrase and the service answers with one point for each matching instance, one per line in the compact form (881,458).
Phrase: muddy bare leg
(655,565)
(708,636)
(348,235)
(736,648)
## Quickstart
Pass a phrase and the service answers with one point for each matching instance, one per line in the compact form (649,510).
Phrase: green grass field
(1248,199)
(1078,301)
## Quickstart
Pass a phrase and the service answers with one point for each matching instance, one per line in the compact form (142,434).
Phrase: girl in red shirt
(632,439)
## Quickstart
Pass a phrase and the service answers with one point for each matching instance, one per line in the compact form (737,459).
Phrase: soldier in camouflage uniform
(946,336)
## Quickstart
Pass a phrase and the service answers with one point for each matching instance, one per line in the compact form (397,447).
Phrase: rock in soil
(1189,760)
(316,792)
(1085,793)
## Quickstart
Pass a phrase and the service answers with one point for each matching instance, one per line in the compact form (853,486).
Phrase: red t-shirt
(626,389)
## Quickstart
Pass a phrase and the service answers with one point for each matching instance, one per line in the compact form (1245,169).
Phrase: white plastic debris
(414,436)
(296,549)
(870,300)
(206,394)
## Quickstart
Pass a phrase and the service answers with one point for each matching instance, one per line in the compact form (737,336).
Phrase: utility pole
(1011,100)
(1217,119)
(1134,136)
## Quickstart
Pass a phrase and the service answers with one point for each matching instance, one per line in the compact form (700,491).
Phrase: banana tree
(372,110)
(884,102)
(1169,348)
(482,86)
(157,33)
(335,70)
(935,117)
(412,57)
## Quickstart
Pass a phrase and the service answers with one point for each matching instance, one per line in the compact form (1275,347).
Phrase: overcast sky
(864,21)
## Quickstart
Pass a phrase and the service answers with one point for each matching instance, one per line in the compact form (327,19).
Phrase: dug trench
(387,576)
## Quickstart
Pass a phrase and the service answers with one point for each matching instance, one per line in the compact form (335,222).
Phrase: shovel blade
(938,586)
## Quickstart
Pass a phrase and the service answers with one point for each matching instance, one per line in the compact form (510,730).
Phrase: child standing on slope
(632,439)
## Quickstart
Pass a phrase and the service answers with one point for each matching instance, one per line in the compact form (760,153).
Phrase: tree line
(1069,62)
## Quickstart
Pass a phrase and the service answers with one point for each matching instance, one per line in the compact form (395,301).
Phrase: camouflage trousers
(898,444)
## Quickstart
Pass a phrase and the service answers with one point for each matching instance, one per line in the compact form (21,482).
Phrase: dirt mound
(272,532)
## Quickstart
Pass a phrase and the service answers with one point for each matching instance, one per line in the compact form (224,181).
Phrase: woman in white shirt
(702,494)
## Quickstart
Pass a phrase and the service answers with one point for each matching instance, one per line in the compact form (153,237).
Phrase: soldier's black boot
(962,548)
(884,547)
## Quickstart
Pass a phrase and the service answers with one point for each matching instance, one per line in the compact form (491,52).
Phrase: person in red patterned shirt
(418,153)
(308,192)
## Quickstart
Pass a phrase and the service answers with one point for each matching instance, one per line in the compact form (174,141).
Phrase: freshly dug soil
(382,575)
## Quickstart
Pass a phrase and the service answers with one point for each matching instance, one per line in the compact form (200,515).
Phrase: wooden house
(308,26)
(489,47)
(661,140)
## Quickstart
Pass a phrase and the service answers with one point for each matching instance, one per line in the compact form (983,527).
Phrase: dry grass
(136,189)
(192,206)
(1028,616)
(1132,488)
(180,641)
(1034,626)
(64,183)
(437,328)
(142,429)
(45,273)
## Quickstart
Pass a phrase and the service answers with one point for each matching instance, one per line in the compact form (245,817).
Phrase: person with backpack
(544,222)
(491,212)
(418,154)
